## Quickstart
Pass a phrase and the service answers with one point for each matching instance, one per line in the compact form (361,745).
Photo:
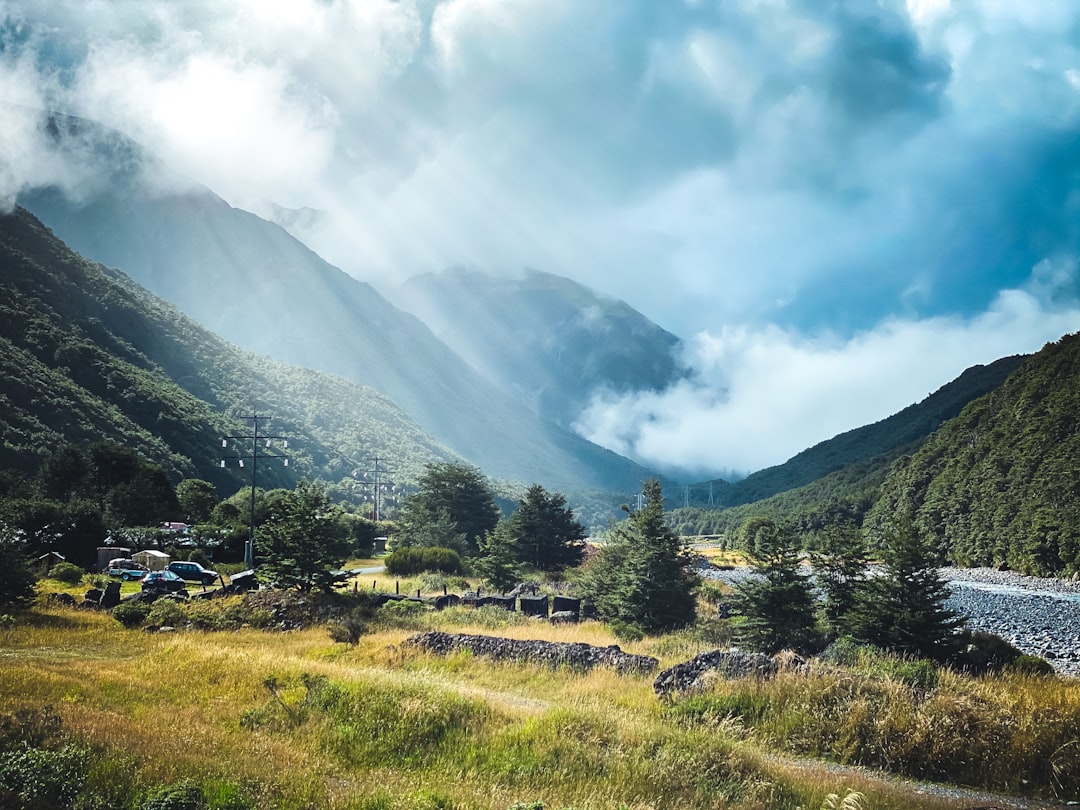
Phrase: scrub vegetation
(93,714)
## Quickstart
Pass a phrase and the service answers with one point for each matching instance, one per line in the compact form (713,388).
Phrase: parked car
(126,569)
(193,572)
(163,581)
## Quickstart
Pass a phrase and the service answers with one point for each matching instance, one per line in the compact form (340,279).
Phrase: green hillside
(87,355)
(873,444)
(252,283)
(1000,484)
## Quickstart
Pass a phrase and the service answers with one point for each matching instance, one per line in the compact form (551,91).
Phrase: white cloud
(763,395)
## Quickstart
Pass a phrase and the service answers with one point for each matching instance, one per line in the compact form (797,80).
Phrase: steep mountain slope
(549,340)
(251,282)
(1000,484)
(87,355)
(883,440)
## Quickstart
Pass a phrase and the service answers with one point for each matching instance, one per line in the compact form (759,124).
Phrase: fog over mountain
(836,207)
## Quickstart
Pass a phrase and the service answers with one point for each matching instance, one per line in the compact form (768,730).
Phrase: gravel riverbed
(1039,616)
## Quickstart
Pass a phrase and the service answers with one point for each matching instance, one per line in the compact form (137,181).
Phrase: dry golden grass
(175,702)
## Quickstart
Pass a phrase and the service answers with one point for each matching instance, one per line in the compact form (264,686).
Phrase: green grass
(250,718)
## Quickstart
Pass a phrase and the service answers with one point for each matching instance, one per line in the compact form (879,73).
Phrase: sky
(838,206)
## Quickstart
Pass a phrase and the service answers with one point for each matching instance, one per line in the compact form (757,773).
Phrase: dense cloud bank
(840,206)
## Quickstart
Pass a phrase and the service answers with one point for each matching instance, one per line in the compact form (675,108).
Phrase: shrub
(131,614)
(68,573)
(409,561)
(41,777)
(349,628)
(167,613)
(180,796)
(1030,665)
(983,652)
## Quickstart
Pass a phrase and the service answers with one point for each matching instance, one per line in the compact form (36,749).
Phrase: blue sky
(838,206)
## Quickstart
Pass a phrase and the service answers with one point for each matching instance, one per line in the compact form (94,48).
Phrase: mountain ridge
(257,286)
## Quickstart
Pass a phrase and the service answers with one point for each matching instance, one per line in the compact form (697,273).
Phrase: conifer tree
(545,532)
(903,609)
(641,578)
(777,605)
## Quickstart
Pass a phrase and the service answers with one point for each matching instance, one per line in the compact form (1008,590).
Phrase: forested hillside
(876,444)
(255,285)
(1000,484)
(88,356)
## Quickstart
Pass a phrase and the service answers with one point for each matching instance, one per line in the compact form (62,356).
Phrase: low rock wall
(549,653)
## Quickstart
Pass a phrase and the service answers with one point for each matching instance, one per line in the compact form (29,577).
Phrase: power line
(254,437)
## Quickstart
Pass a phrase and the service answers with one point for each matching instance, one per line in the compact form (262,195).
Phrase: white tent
(152,559)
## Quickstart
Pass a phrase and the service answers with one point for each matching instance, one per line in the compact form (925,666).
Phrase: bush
(40,777)
(181,796)
(131,614)
(1030,665)
(409,561)
(66,572)
(350,627)
(167,613)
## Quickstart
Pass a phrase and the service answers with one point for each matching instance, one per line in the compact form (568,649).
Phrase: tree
(497,564)
(641,577)
(449,492)
(303,540)
(197,500)
(903,609)
(777,605)
(545,533)
(16,577)
(838,557)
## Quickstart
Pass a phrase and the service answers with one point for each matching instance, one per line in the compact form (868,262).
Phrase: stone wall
(549,653)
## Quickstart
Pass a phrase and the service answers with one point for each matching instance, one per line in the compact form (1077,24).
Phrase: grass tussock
(223,715)
(1012,733)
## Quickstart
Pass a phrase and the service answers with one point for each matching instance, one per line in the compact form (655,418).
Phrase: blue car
(163,581)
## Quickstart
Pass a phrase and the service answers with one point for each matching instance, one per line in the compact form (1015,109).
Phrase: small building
(106,553)
(47,560)
(151,558)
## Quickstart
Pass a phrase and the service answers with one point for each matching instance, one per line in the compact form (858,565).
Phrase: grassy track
(292,720)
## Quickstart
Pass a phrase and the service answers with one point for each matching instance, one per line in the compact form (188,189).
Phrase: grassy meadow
(250,718)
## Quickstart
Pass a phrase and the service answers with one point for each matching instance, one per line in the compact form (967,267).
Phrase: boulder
(110,598)
(689,675)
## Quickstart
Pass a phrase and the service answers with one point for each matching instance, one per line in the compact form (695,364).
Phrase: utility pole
(378,484)
(254,437)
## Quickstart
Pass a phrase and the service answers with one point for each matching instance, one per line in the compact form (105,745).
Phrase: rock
(64,599)
(111,596)
(563,617)
(550,653)
(727,663)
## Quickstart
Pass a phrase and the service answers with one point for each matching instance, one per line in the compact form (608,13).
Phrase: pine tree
(545,532)
(777,605)
(497,563)
(838,557)
(904,608)
(641,578)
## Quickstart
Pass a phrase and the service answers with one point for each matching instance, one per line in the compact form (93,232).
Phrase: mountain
(251,282)
(840,478)
(885,439)
(548,340)
(88,355)
(1000,484)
